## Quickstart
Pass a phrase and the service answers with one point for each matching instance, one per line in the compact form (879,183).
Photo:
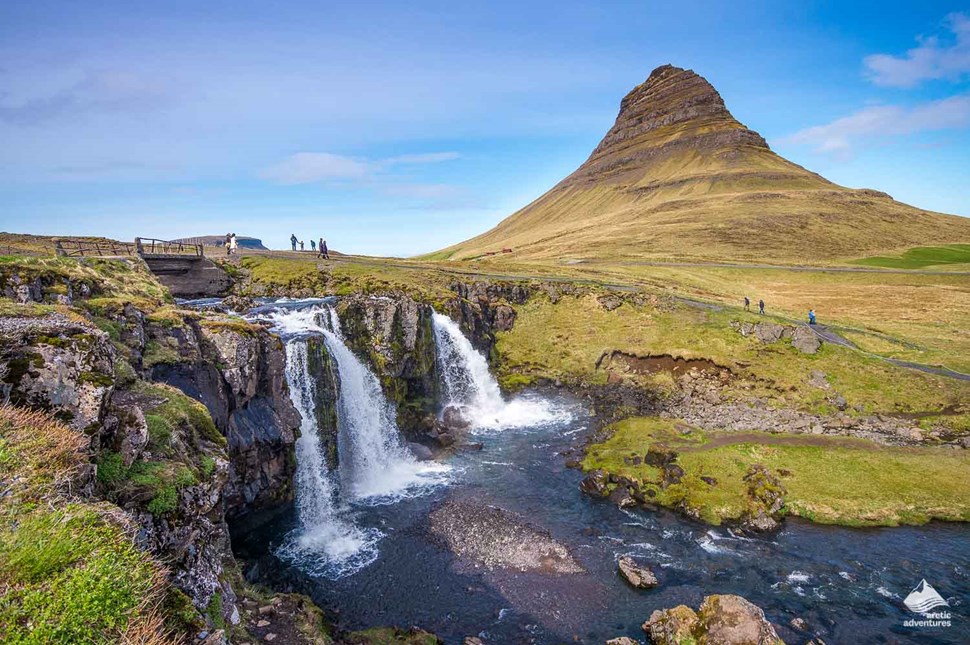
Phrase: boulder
(504,318)
(453,418)
(805,340)
(638,576)
(595,484)
(622,640)
(721,619)
(732,620)
(672,626)
(622,498)
(420,451)
(769,332)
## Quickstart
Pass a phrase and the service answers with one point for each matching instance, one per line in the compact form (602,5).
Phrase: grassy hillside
(678,177)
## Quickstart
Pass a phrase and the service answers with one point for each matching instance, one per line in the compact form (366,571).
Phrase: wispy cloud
(431,157)
(311,167)
(98,92)
(433,196)
(933,59)
(839,136)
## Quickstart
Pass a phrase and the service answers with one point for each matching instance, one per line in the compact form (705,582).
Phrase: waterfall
(374,461)
(467,383)
(375,466)
(330,542)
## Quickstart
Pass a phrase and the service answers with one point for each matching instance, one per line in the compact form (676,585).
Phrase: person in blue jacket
(811,316)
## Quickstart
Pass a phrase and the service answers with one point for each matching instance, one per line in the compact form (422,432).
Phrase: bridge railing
(151,246)
(92,248)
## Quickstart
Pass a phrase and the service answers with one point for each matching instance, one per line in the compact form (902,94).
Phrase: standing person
(323,250)
(233,245)
(313,245)
(761,307)
(228,243)
(747,304)
(301,245)
(811,316)
(293,240)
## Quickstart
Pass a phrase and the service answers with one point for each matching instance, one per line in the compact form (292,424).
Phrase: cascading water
(325,540)
(468,384)
(375,466)
(378,465)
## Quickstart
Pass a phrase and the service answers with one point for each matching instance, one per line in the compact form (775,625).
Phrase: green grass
(69,571)
(565,341)
(829,480)
(921,257)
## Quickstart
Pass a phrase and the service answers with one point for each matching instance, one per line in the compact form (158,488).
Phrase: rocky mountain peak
(674,107)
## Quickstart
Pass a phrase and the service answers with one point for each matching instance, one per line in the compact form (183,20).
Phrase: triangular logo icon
(924,598)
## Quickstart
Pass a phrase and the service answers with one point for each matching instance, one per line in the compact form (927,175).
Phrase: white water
(330,540)
(468,384)
(374,465)
(374,461)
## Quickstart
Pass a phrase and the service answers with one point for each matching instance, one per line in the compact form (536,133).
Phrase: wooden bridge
(180,266)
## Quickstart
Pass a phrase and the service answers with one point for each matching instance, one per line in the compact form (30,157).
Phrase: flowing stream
(847,584)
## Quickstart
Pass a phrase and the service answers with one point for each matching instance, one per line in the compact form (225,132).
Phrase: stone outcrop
(57,364)
(638,576)
(396,338)
(802,338)
(721,619)
(483,308)
(238,372)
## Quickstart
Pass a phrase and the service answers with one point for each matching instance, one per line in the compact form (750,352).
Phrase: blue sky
(398,128)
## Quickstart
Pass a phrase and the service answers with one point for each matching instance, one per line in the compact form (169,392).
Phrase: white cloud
(839,136)
(431,157)
(309,167)
(931,60)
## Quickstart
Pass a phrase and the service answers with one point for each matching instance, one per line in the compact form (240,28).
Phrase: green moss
(111,468)
(207,466)
(158,354)
(214,611)
(159,432)
(165,501)
(921,257)
(829,480)
(69,577)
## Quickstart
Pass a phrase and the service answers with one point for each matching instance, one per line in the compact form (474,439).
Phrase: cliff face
(189,420)
(395,337)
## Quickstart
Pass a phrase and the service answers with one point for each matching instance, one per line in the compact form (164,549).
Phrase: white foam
(468,384)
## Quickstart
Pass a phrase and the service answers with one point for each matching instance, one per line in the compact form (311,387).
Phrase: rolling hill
(678,177)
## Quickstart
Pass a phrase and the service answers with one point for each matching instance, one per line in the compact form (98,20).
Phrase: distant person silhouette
(228,243)
(747,304)
(811,316)
(322,246)
(293,241)
(313,245)
(233,244)
(301,245)
(761,306)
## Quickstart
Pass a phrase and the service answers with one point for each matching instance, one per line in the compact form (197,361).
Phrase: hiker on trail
(811,316)
(233,245)
(747,304)
(293,240)
(301,245)
(322,246)
(228,243)
(761,307)
(313,245)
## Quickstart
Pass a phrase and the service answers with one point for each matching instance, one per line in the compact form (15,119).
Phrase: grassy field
(829,480)
(921,257)
(566,339)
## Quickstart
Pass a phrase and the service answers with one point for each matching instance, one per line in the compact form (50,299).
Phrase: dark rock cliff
(394,335)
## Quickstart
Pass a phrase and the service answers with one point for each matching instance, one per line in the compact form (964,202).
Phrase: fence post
(59,248)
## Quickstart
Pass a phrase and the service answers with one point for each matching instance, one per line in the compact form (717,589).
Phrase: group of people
(231,244)
(761,309)
(320,248)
